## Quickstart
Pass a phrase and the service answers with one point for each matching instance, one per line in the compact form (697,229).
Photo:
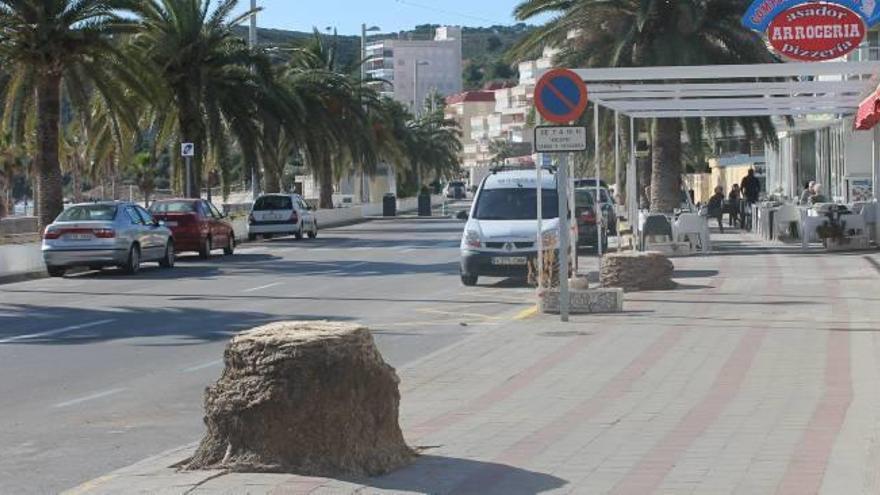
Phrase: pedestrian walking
(733,200)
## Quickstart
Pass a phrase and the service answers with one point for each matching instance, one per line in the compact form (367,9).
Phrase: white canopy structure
(773,90)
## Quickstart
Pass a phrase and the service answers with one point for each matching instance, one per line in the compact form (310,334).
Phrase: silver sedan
(96,235)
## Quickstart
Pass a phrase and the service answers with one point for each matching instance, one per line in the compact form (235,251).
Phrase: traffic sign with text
(561,96)
(560,139)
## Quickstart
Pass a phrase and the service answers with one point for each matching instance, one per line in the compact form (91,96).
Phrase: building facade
(435,63)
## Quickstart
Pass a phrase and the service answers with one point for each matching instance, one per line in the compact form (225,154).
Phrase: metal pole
(540,266)
(188,177)
(364,197)
(617,177)
(599,213)
(572,220)
(632,185)
(563,243)
(417,109)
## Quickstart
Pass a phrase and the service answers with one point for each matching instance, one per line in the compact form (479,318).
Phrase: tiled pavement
(759,375)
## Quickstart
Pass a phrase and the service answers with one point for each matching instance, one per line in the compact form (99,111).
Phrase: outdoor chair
(695,228)
(656,230)
(783,220)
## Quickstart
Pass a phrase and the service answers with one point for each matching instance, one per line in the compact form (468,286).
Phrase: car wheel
(56,271)
(469,280)
(314,232)
(205,248)
(167,261)
(133,264)
(229,250)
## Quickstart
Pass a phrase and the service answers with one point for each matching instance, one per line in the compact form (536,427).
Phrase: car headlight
(472,239)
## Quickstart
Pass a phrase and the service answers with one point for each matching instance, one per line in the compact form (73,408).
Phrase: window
(145,216)
(88,213)
(273,203)
(515,204)
(173,207)
(133,216)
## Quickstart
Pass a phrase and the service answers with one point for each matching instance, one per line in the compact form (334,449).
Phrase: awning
(868,114)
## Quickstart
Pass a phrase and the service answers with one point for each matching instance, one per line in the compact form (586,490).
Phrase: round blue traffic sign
(561,96)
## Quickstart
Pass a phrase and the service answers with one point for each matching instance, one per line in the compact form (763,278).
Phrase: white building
(437,64)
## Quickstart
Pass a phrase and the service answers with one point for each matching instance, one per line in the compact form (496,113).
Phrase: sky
(391,15)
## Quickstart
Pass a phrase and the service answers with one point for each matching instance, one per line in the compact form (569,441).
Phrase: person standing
(716,207)
(751,191)
(733,199)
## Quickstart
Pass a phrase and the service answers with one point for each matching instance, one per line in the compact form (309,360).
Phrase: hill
(483,48)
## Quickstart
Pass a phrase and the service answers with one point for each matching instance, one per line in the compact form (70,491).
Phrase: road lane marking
(54,332)
(87,398)
(203,366)
(267,286)
(526,314)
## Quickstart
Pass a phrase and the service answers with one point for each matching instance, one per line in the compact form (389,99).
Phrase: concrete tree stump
(637,271)
(310,398)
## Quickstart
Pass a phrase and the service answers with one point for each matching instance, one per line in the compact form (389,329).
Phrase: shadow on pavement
(170,326)
(437,474)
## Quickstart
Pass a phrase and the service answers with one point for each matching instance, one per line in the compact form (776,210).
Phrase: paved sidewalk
(760,375)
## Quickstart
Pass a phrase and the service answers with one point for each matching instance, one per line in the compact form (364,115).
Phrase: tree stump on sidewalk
(637,271)
(310,398)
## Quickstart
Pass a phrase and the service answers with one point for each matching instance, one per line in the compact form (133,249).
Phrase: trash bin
(425,205)
(389,205)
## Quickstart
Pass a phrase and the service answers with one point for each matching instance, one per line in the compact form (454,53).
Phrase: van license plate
(508,261)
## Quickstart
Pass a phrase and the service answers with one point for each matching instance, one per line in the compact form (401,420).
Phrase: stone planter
(846,243)
(637,271)
(587,301)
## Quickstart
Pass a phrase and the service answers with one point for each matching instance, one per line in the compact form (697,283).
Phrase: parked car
(197,225)
(96,235)
(587,183)
(501,231)
(274,214)
(456,190)
(587,222)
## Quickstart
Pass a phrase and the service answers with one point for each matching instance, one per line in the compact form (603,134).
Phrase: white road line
(355,265)
(200,367)
(54,332)
(263,287)
(87,398)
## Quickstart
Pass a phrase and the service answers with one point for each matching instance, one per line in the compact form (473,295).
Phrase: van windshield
(515,204)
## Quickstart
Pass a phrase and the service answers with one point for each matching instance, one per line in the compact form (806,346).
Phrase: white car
(501,234)
(281,214)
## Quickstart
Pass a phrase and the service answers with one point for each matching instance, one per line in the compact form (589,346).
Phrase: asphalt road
(101,370)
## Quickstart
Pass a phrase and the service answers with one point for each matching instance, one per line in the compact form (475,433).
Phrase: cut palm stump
(310,398)
(634,272)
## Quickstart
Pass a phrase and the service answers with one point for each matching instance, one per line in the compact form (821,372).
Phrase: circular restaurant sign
(812,32)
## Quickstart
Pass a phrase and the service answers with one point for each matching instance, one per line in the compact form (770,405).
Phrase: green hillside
(483,48)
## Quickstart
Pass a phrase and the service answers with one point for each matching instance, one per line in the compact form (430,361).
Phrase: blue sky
(391,15)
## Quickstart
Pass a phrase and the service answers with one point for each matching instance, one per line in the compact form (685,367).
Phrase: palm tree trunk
(50,194)
(666,170)
(4,194)
(271,174)
(325,177)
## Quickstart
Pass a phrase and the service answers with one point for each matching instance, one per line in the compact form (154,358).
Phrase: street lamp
(252,43)
(364,31)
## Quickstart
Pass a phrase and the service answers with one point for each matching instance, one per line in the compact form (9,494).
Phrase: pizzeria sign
(812,31)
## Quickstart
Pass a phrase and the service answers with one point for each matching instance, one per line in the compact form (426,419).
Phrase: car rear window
(273,203)
(88,213)
(583,198)
(173,207)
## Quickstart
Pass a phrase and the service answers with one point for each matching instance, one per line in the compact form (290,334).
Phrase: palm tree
(12,160)
(50,44)
(216,84)
(639,33)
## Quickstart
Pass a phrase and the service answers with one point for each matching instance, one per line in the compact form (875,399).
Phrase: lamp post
(252,44)
(364,30)
(417,109)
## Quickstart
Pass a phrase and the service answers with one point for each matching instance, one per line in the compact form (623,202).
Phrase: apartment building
(470,109)
(413,69)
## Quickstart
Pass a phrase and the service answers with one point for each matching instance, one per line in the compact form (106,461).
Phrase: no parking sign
(561,96)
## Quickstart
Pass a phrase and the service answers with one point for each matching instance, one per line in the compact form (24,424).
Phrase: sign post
(188,151)
(560,98)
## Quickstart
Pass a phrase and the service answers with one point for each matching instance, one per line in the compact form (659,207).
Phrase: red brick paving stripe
(806,470)
(648,475)
(504,390)
(539,441)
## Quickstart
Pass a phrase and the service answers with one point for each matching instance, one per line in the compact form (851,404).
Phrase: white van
(500,238)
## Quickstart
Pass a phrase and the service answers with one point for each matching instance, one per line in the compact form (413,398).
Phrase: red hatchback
(197,225)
